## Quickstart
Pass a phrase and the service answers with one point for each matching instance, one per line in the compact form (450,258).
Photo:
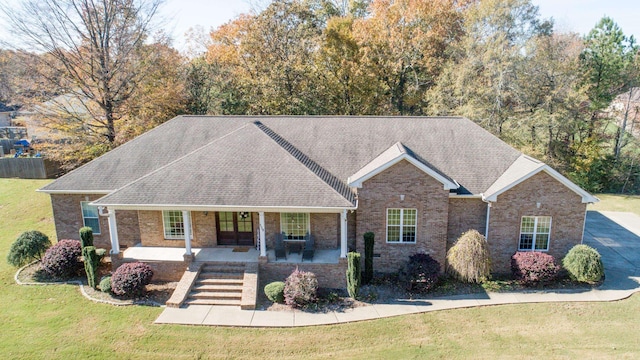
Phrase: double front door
(234,228)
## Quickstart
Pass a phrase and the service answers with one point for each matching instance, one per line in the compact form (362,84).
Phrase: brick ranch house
(219,188)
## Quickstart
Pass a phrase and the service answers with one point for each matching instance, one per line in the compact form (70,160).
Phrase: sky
(570,15)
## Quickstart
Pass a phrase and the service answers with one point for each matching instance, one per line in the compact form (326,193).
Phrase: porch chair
(309,248)
(280,250)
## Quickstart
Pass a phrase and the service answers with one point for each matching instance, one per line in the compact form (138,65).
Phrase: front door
(234,228)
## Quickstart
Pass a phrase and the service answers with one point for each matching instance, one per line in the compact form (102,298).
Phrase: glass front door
(234,228)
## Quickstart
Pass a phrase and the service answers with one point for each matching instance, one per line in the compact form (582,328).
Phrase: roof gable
(393,155)
(524,168)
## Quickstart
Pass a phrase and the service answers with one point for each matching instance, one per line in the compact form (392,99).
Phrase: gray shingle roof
(283,160)
(245,168)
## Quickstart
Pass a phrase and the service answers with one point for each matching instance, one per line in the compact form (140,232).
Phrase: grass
(56,322)
(614,202)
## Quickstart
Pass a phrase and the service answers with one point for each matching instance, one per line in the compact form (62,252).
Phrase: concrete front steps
(220,283)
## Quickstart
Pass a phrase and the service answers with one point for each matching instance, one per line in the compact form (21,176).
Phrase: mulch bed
(157,294)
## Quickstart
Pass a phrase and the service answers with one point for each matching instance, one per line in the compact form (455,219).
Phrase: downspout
(486,227)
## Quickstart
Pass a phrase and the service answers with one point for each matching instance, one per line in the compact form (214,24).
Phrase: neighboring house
(200,184)
(6,114)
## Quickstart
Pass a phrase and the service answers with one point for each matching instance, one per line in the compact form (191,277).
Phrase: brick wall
(326,230)
(204,229)
(421,192)
(465,214)
(329,275)
(128,227)
(556,200)
(67,215)
(152,230)
(162,270)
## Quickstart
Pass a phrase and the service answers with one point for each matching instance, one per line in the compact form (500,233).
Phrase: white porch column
(263,241)
(113,233)
(343,234)
(186,219)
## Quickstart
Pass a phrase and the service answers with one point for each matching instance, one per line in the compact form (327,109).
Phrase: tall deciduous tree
(97,46)
(608,53)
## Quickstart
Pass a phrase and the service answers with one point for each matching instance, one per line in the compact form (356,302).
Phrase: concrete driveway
(616,235)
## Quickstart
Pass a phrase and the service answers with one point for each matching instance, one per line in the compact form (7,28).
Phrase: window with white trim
(534,233)
(90,217)
(173,223)
(401,225)
(295,225)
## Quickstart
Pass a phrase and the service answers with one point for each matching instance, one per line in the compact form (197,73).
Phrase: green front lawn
(615,202)
(56,322)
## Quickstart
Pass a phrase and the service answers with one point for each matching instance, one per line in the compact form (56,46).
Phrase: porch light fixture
(401,197)
(538,205)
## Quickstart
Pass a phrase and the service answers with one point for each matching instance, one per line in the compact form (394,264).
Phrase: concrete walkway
(615,235)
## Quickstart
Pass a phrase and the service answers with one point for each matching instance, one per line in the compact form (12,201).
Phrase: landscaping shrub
(300,289)
(275,291)
(368,257)
(530,267)
(62,260)
(105,284)
(468,259)
(91,263)
(584,264)
(130,279)
(86,236)
(29,246)
(353,274)
(421,273)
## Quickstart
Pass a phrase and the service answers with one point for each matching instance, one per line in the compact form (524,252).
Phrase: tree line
(497,62)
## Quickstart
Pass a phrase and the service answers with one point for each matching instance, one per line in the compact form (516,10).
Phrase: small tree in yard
(468,259)
(368,257)
(353,274)
(29,246)
(86,236)
(91,263)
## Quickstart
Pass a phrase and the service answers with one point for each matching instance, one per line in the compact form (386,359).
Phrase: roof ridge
(333,181)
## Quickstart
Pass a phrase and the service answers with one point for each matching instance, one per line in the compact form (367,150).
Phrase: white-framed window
(402,225)
(173,223)
(534,233)
(295,225)
(90,217)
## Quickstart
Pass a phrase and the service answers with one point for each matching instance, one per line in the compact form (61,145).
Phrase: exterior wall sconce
(401,197)
(538,205)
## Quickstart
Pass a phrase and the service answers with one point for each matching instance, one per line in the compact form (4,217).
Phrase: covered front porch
(224,254)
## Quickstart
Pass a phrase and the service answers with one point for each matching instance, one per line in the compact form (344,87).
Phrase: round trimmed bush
(105,284)
(275,291)
(29,246)
(130,279)
(421,273)
(584,264)
(62,260)
(531,267)
(468,259)
(300,289)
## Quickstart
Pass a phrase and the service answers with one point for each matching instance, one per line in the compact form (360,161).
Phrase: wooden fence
(28,168)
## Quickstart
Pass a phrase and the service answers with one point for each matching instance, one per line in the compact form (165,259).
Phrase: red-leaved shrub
(130,279)
(421,273)
(531,267)
(300,289)
(62,260)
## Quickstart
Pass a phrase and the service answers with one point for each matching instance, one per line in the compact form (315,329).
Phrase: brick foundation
(329,275)
(162,270)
